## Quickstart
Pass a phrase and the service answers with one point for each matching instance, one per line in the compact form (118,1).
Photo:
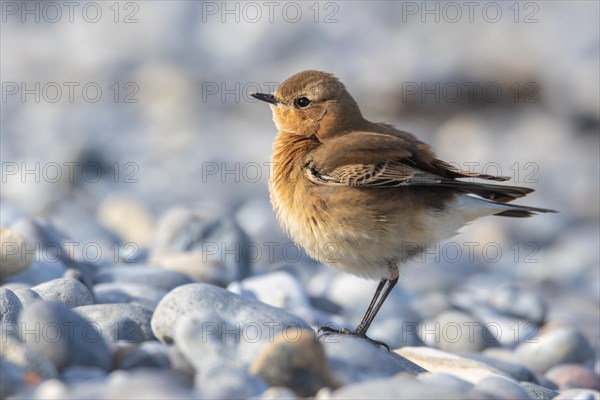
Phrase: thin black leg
(377,301)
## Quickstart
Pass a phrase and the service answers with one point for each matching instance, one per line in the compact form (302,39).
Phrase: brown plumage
(364,197)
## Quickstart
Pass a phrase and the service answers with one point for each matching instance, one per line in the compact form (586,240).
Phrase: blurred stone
(365,361)
(147,383)
(557,345)
(157,278)
(12,378)
(133,293)
(278,289)
(128,218)
(149,354)
(445,380)
(32,361)
(39,272)
(538,392)
(27,296)
(63,336)
(300,365)
(82,374)
(70,292)
(14,253)
(198,266)
(455,331)
(502,387)
(517,371)
(10,306)
(518,301)
(572,376)
(578,394)
(437,361)
(119,322)
(205,231)
(222,381)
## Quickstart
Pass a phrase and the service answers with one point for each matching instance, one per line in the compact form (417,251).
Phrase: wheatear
(365,197)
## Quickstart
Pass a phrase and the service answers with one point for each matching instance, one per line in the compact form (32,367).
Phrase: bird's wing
(366,159)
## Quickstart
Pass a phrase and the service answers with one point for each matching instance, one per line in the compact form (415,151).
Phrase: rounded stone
(70,292)
(571,376)
(518,301)
(134,293)
(300,365)
(157,278)
(13,253)
(502,387)
(119,322)
(10,306)
(555,346)
(63,336)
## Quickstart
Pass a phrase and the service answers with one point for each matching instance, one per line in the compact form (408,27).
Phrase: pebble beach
(140,257)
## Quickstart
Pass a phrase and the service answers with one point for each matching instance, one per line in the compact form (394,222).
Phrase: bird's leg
(369,316)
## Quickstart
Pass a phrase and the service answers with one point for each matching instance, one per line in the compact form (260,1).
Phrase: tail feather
(523,211)
(497,193)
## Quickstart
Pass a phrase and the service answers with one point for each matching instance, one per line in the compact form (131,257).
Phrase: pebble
(199,267)
(538,392)
(154,277)
(27,296)
(119,322)
(445,380)
(278,289)
(517,371)
(502,387)
(578,394)
(215,310)
(39,272)
(127,217)
(18,353)
(12,378)
(455,331)
(209,232)
(571,376)
(148,383)
(151,353)
(63,336)
(134,293)
(70,292)
(217,381)
(400,387)
(519,301)
(300,365)
(82,374)
(557,345)
(10,306)
(365,361)
(13,253)
(437,361)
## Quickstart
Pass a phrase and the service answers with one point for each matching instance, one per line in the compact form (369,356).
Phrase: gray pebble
(13,253)
(12,378)
(10,306)
(444,380)
(157,278)
(134,293)
(149,354)
(365,361)
(63,336)
(456,331)
(148,383)
(518,301)
(120,322)
(501,387)
(517,371)
(15,351)
(214,306)
(578,394)
(70,292)
(205,231)
(538,392)
(40,271)
(27,296)
(80,374)
(218,381)
(555,346)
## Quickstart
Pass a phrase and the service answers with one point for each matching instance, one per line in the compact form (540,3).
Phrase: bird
(365,197)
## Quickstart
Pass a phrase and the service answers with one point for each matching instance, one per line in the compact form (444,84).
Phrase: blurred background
(113,113)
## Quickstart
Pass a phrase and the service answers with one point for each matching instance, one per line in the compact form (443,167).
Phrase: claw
(327,330)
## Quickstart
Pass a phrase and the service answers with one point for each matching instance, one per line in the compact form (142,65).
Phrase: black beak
(269,98)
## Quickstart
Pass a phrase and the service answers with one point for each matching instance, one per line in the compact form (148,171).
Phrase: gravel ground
(141,258)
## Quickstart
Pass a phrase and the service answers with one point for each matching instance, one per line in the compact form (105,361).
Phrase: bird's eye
(302,102)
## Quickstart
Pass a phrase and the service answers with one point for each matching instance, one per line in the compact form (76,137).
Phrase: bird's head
(312,103)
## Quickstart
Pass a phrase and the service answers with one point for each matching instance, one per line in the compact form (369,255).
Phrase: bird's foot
(327,330)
